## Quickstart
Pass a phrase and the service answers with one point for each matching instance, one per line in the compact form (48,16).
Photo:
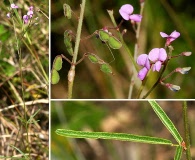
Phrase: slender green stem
(75,55)
(186,129)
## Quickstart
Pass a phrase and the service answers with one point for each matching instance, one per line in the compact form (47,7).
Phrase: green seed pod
(106,68)
(54,77)
(104,36)
(67,42)
(57,64)
(93,58)
(114,43)
(67,11)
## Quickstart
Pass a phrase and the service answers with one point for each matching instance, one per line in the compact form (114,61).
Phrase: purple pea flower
(143,60)
(170,38)
(30,11)
(25,18)
(126,12)
(158,56)
(14,6)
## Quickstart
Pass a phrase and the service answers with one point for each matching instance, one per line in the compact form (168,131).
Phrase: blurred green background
(158,16)
(135,117)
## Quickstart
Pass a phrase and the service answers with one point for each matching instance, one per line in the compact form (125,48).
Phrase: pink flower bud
(172,87)
(184,70)
(186,53)
(14,6)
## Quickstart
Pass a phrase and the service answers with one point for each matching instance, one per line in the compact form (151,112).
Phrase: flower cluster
(28,15)
(155,58)
(126,12)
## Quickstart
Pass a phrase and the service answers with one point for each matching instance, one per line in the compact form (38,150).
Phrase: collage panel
(24,80)
(125,130)
(121,49)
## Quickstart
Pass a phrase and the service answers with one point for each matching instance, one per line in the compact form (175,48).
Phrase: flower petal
(154,54)
(157,66)
(143,60)
(162,54)
(163,34)
(174,34)
(136,17)
(126,10)
(142,73)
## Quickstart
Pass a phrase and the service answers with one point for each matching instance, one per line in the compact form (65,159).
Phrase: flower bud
(186,53)
(172,87)
(184,70)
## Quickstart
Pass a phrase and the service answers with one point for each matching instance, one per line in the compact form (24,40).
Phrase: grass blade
(113,136)
(166,121)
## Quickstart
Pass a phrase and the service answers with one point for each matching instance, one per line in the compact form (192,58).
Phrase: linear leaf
(113,136)
(166,121)
(178,153)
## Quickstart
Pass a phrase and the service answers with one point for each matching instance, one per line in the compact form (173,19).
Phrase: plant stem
(71,73)
(136,47)
(186,129)
(157,82)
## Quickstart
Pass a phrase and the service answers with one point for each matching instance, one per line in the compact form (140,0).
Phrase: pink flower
(126,12)
(25,18)
(143,60)
(30,11)
(158,56)
(170,38)
(14,6)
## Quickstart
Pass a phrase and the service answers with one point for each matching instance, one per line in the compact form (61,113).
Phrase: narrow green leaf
(54,77)
(178,153)
(112,136)
(104,36)
(114,43)
(166,121)
(67,11)
(26,157)
(106,68)
(57,63)
(67,42)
